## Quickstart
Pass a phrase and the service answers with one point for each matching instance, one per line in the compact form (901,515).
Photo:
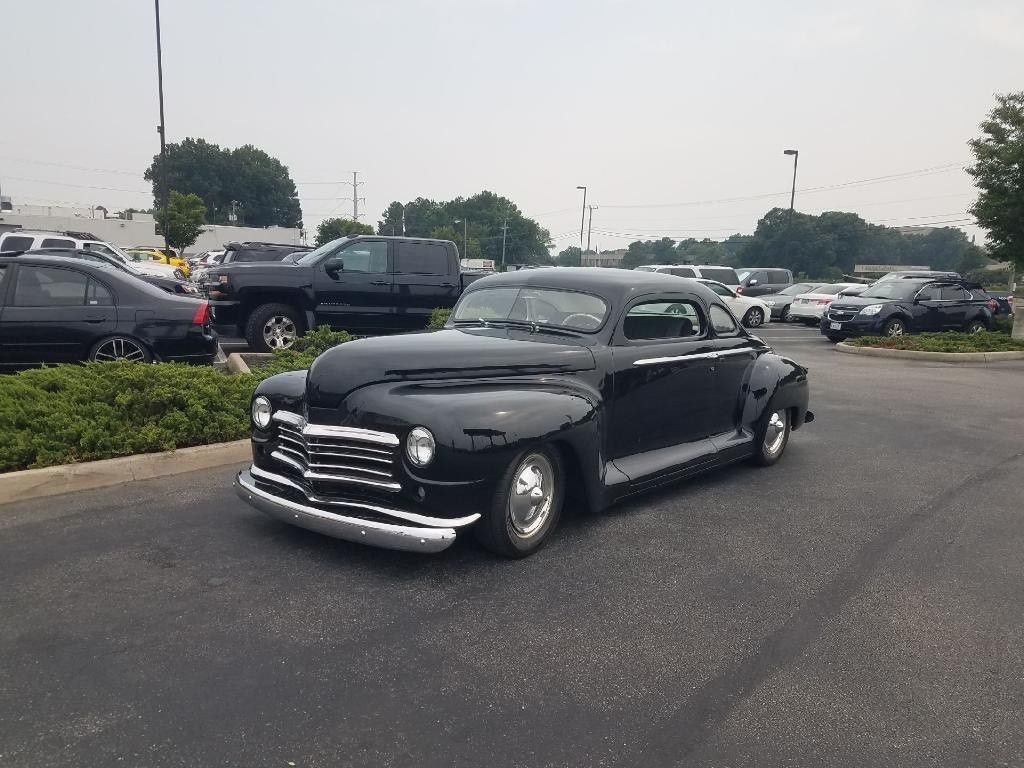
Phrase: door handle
(379,282)
(447,285)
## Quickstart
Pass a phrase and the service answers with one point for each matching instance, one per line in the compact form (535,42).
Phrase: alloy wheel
(894,329)
(279,332)
(532,495)
(119,349)
(754,318)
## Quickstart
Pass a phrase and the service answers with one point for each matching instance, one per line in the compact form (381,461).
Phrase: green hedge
(70,413)
(439,317)
(943,342)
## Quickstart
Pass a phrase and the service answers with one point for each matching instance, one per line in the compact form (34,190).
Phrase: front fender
(778,382)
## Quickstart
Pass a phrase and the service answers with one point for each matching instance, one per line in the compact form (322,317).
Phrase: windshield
(721,274)
(315,255)
(646,269)
(544,306)
(828,289)
(742,274)
(799,288)
(892,289)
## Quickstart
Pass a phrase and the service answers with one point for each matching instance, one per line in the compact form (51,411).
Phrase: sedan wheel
(772,437)
(526,505)
(279,332)
(119,348)
(754,318)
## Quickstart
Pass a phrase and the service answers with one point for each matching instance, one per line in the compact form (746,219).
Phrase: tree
(569,257)
(526,242)
(332,229)
(998,173)
(183,220)
(259,185)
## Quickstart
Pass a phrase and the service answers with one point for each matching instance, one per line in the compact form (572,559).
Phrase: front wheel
(273,326)
(754,317)
(894,327)
(772,437)
(526,504)
(784,315)
(975,326)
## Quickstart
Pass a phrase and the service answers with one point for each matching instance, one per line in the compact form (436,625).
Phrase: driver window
(365,257)
(663,320)
(722,321)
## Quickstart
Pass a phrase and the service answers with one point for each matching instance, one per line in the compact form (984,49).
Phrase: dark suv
(759,281)
(896,307)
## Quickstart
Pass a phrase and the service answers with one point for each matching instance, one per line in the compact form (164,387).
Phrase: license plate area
(834,326)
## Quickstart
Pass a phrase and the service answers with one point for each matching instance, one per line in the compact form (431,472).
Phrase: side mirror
(334,264)
(752,282)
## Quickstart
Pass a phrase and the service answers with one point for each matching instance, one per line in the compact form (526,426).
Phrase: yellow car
(164,256)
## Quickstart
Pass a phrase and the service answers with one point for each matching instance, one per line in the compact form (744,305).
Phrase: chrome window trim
(698,356)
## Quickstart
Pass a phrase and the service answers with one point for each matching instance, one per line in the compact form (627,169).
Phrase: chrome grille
(329,454)
(842,314)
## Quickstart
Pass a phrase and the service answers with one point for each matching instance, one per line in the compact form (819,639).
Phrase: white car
(724,275)
(751,311)
(809,307)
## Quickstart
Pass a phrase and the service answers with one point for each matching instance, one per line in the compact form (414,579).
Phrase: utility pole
(504,233)
(583,213)
(590,222)
(796,156)
(162,128)
(355,195)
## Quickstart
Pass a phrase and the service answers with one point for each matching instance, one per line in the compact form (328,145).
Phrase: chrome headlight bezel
(420,446)
(262,412)
(871,310)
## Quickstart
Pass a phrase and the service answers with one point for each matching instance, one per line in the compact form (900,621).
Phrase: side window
(16,243)
(953,293)
(721,290)
(928,293)
(663,320)
(370,256)
(3,287)
(421,259)
(722,321)
(778,276)
(49,287)
(56,242)
(97,295)
(683,272)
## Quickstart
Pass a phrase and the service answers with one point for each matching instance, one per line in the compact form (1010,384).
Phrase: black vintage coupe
(589,383)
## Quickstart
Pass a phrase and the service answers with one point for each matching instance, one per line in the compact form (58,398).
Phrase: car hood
(856,302)
(448,354)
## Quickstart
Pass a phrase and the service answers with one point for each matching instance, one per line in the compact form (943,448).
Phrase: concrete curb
(68,478)
(237,365)
(934,357)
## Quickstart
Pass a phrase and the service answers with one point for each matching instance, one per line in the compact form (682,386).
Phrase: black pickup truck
(364,284)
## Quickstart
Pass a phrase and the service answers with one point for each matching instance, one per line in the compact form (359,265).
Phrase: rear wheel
(772,437)
(975,326)
(119,349)
(894,327)
(273,326)
(784,315)
(754,317)
(526,504)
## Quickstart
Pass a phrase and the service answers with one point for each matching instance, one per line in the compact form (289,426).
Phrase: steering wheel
(675,309)
(567,318)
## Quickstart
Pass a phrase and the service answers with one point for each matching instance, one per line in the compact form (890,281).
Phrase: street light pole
(162,128)
(796,156)
(465,237)
(590,222)
(583,215)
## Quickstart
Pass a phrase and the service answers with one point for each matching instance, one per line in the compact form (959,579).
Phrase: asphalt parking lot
(858,604)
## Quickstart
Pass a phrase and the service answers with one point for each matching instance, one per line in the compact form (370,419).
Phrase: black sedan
(545,383)
(896,307)
(55,309)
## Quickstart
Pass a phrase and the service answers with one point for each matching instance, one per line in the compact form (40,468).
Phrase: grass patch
(69,413)
(985,341)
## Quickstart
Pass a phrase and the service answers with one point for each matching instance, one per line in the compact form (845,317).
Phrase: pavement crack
(681,732)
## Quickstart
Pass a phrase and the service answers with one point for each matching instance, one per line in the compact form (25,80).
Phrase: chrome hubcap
(119,349)
(977,328)
(529,504)
(775,433)
(896,329)
(279,332)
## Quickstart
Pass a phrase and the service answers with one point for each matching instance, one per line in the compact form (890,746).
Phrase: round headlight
(261,412)
(419,446)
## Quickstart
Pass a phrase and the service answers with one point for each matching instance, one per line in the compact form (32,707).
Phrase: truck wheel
(273,326)
(526,505)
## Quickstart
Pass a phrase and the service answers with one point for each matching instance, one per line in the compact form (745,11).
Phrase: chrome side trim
(385,535)
(341,433)
(401,514)
(310,474)
(698,356)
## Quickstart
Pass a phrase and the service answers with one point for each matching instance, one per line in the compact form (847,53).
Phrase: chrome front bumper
(438,536)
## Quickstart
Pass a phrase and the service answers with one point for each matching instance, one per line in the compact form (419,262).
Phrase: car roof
(617,285)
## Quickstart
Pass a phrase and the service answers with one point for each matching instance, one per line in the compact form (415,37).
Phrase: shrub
(951,341)
(439,317)
(70,413)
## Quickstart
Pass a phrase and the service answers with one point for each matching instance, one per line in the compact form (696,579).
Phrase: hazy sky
(649,104)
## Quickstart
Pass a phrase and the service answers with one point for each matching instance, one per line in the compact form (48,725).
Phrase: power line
(67,165)
(78,186)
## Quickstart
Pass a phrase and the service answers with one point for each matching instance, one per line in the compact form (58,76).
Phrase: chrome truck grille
(321,453)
